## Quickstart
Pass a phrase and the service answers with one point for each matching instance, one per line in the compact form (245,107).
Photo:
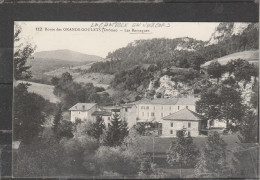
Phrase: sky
(99,38)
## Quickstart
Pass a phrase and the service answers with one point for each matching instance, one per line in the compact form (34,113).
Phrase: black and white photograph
(135,100)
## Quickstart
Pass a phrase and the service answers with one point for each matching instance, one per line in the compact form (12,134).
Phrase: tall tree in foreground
(116,132)
(29,115)
(182,151)
(21,54)
(212,161)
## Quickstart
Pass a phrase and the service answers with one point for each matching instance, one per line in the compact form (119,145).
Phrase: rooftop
(184,114)
(82,106)
(250,56)
(110,107)
(172,101)
(101,113)
(128,105)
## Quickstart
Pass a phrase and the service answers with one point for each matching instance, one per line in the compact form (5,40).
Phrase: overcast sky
(100,43)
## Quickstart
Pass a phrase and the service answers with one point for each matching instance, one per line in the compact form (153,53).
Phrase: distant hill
(46,61)
(66,55)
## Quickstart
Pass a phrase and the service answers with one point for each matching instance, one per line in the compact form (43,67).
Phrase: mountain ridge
(66,55)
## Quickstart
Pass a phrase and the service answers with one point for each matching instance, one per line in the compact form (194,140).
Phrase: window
(108,124)
(170,107)
(154,107)
(79,112)
(162,107)
(152,113)
(189,133)
(143,113)
(125,109)
(171,132)
(178,107)
(189,124)
(108,118)
(162,114)
(147,107)
(187,107)
(171,124)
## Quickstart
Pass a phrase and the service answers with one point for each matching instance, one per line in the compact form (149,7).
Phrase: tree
(140,128)
(255,96)
(98,128)
(221,103)
(21,55)
(55,81)
(57,119)
(148,169)
(29,114)
(241,69)
(80,153)
(117,159)
(208,105)
(182,151)
(249,128)
(65,129)
(116,132)
(66,77)
(215,70)
(212,161)
(43,158)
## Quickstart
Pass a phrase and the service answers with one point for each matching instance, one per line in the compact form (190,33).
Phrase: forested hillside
(180,52)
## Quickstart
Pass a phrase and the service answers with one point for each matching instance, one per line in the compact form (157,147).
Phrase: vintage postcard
(135,99)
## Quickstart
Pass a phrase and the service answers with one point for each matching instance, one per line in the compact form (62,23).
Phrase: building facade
(154,110)
(83,111)
(128,113)
(184,119)
(147,110)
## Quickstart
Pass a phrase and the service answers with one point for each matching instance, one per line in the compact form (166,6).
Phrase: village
(153,108)
(172,115)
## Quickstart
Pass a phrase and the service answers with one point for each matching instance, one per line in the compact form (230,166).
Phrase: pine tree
(57,119)
(116,132)
(98,128)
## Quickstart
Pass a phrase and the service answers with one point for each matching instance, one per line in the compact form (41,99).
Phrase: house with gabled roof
(83,111)
(184,119)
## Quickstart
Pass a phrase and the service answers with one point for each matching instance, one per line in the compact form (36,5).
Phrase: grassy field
(44,90)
